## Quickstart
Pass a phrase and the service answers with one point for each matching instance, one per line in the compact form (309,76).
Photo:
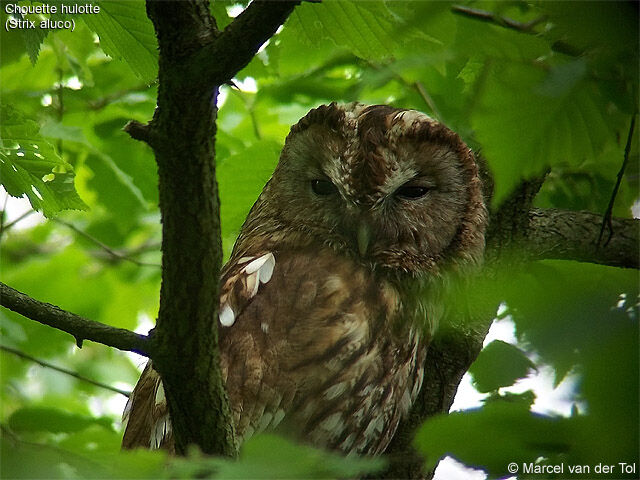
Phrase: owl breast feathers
(328,302)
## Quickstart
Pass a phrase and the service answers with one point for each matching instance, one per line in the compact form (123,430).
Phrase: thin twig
(132,253)
(606,222)
(19,219)
(102,102)
(104,247)
(422,91)
(418,86)
(3,213)
(505,22)
(491,17)
(80,328)
(42,363)
(250,108)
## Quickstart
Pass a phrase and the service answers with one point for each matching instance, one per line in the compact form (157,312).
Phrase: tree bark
(568,235)
(81,328)
(194,60)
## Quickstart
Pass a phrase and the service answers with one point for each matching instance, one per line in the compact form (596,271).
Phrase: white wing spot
(263,265)
(161,429)
(267,269)
(226,316)
(265,327)
(255,265)
(160,398)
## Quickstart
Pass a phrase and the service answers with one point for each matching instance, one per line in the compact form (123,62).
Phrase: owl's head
(391,187)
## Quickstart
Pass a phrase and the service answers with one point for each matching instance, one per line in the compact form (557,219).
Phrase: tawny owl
(328,302)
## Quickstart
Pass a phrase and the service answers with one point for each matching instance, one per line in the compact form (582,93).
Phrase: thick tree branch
(194,60)
(569,235)
(234,48)
(44,364)
(79,327)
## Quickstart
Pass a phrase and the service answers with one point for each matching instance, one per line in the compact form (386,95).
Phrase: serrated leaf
(126,33)
(528,121)
(67,133)
(30,166)
(499,364)
(33,38)
(45,419)
(365,28)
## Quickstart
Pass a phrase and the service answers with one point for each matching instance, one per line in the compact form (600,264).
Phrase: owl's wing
(308,347)
(146,417)
(304,342)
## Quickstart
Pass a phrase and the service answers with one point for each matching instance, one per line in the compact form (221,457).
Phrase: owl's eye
(323,187)
(412,192)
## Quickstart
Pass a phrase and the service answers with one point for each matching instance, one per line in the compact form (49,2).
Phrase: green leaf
(241,178)
(36,461)
(75,134)
(528,121)
(365,28)
(271,456)
(39,419)
(126,33)
(491,437)
(499,364)
(30,166)
(218,10)
(565,309)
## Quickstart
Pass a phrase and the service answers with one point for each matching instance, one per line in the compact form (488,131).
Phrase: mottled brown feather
(329,347)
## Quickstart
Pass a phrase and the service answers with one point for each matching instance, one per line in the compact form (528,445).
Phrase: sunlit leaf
(270,456)
(30,419)
(125,32)
(493,436)
(30,166)
(363,27)
(529,120)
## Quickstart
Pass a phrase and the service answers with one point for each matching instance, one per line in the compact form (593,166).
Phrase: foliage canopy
(539,85)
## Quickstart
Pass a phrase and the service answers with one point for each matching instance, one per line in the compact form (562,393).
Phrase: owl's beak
(364,236)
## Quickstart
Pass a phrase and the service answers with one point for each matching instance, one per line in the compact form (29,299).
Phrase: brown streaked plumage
(330,297)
